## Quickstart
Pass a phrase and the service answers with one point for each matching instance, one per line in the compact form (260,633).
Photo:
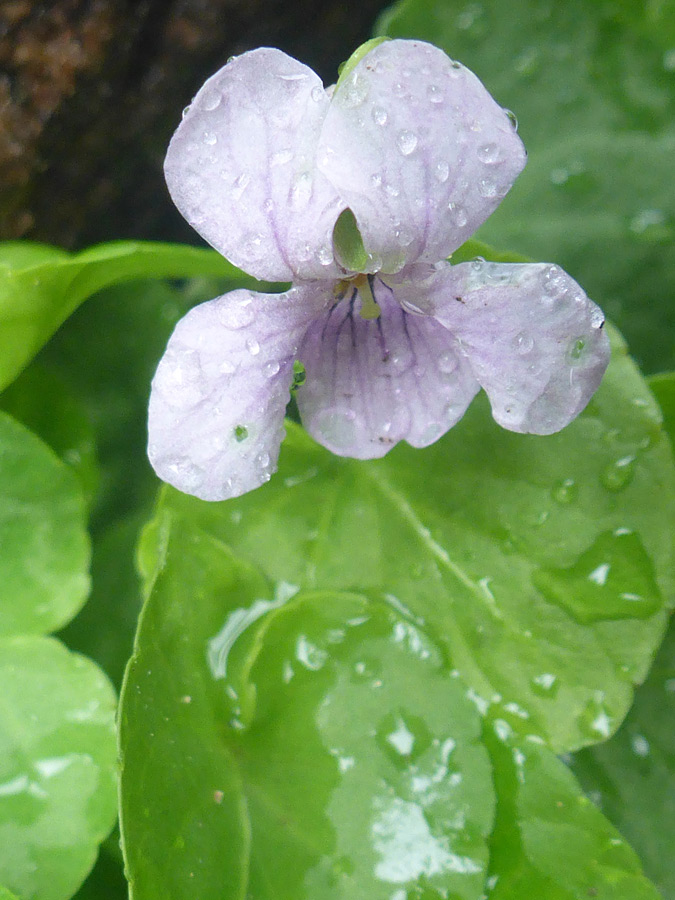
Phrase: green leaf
(544,565)
(348,242)
(39,289)
(321,746)
(42,401)
(550,842)
(44,546)
(57,767)
(632,777)
(592,86)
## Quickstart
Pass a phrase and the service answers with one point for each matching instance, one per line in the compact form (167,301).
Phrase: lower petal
(220,391)
(534,340)
(374,382)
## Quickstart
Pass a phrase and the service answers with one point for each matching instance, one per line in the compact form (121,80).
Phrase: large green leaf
(592,86)
(44,546)
(321,747)
(41,286)
(318,745)
(550,842)
(57,767)
(44,403)
(543,564)
(632,777)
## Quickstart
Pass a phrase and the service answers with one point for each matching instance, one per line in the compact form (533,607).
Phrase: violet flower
(357,194)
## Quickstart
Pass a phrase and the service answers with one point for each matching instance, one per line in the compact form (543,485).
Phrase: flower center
(363,284)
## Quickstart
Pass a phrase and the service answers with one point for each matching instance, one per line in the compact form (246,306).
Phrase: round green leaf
(44,546)
(543,564)
(57,767)
(322,748)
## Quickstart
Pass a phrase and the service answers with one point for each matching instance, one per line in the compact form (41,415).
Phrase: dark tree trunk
(91,90)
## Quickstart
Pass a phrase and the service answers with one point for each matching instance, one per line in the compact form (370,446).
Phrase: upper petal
(220,391)
(419,151)
(242,168)
(374,382)
(534,340)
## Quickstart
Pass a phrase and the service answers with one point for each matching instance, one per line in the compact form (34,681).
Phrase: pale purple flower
(263,164)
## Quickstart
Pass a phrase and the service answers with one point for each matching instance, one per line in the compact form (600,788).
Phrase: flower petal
(220,392)
(533,338)
(419,150)
(242,168)
(374,382)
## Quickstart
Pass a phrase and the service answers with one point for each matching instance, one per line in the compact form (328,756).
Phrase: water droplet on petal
(442,171)
(458,214)
(435,94)
(555,283)
(523,343)
(253,346)
(271,369)
(317,94)
(577,348)
(293,76)
(404,236)
(376,180)
(354,92)
(597,318)
(379,115)
(489,154)
(511,116)
(185,112)
(337,428)
(235,315)
(406,142)
(210,138)
(240,185)
(210,99)
(240,433)
(487,187)
(391,190)
(301,191)
(325,256)
(281,157)
(448,363)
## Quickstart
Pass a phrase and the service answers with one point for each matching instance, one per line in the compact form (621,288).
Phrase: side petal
(242,169)
(534,340)
(220,391)
(419,150)
(374,382)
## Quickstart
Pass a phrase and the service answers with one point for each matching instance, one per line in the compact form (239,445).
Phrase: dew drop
(404,236)
(577,348)
(271,369)
(487,187)
(354,92)
(185,112)
(379,115)
(263,460)
(564,491)
(459,215)
(317,94)
(253,346)
(545,685)
(301,191)
(240,433)
(597,318)
(406,142)
(236,315)
(511,116)
(293,76)
(442,172)
(281,157)
(376,180)
(489,154)
(523,343)
(209,138)
(240,185)
(447,363)
(640,745)
(435,94)
(554,281)
(391,190)
(210,100)
(618,474)
(403,738)
(337,428)
(325,256)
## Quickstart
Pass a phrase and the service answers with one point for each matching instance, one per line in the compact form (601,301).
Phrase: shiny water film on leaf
(323,748)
